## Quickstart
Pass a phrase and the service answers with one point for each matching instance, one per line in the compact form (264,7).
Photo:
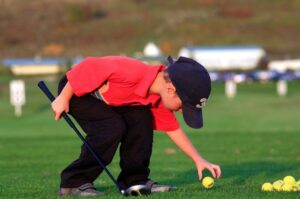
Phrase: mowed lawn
(255,138)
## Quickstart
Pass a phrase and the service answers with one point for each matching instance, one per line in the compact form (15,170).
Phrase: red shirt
(128,83)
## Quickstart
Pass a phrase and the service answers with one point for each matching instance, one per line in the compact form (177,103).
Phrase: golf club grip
(51,97)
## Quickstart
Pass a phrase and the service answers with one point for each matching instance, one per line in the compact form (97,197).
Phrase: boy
(120,100)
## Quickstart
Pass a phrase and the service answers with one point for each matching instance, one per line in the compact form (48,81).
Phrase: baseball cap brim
(192,116)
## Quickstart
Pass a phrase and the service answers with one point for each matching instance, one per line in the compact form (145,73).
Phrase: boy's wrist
(200,161)
(67,93)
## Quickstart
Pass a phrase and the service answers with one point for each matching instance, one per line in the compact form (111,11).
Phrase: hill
(95,28)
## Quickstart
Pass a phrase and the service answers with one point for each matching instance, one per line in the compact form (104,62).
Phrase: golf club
(135,190)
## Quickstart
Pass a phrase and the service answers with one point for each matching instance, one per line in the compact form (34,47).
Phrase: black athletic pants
(106,127)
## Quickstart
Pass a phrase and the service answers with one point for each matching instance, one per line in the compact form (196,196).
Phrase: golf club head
(138,190)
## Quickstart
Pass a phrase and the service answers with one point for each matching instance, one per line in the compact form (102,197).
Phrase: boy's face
(170,99)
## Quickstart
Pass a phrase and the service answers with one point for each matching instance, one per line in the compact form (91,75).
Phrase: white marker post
(17,95)
(230,88)
(282,88)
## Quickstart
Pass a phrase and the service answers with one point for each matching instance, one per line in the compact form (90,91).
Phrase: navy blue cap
(193,86)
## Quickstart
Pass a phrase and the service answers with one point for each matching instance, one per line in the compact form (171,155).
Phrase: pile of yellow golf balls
(288,183)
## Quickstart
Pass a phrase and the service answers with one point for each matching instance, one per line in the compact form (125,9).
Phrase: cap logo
(202,103)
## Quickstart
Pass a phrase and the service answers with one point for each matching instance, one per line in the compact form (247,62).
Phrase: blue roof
(76,60)
(36,61)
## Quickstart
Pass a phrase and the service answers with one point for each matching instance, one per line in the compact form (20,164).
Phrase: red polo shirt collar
(145,84)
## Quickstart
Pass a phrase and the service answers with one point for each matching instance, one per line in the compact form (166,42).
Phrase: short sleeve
(90,74)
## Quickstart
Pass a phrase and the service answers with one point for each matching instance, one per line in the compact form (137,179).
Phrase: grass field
(254,137)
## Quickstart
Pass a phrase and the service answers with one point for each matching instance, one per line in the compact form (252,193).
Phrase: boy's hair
(166,76)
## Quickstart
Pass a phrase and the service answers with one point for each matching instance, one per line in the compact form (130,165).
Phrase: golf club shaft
(50,96)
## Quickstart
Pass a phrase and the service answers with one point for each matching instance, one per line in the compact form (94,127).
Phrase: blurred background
(224,35)
(251,49)
(71,28)
(237,41)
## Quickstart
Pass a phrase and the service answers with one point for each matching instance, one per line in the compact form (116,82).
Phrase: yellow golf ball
(208,182)
(277,185)
(298,185)
(287,187)
(267,187)
(294,187)
(289,180)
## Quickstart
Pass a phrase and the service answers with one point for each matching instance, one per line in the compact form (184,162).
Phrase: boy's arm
(61,103)
(182,141)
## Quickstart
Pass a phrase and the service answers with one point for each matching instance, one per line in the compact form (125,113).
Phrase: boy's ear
(171,88)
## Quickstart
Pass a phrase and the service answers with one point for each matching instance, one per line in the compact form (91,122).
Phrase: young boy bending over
(119,100)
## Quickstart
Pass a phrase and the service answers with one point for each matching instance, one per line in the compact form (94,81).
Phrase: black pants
(106,127)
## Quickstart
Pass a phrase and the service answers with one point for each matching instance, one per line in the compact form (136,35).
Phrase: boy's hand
(214,169)
(59,105)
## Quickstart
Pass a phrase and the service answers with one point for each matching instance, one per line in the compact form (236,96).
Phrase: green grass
(254,137)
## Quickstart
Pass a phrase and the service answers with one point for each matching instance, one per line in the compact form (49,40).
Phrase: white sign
(17,95)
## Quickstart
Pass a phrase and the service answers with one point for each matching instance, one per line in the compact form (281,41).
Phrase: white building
(152,50)
(284,65)
(218,58)
(36,66)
